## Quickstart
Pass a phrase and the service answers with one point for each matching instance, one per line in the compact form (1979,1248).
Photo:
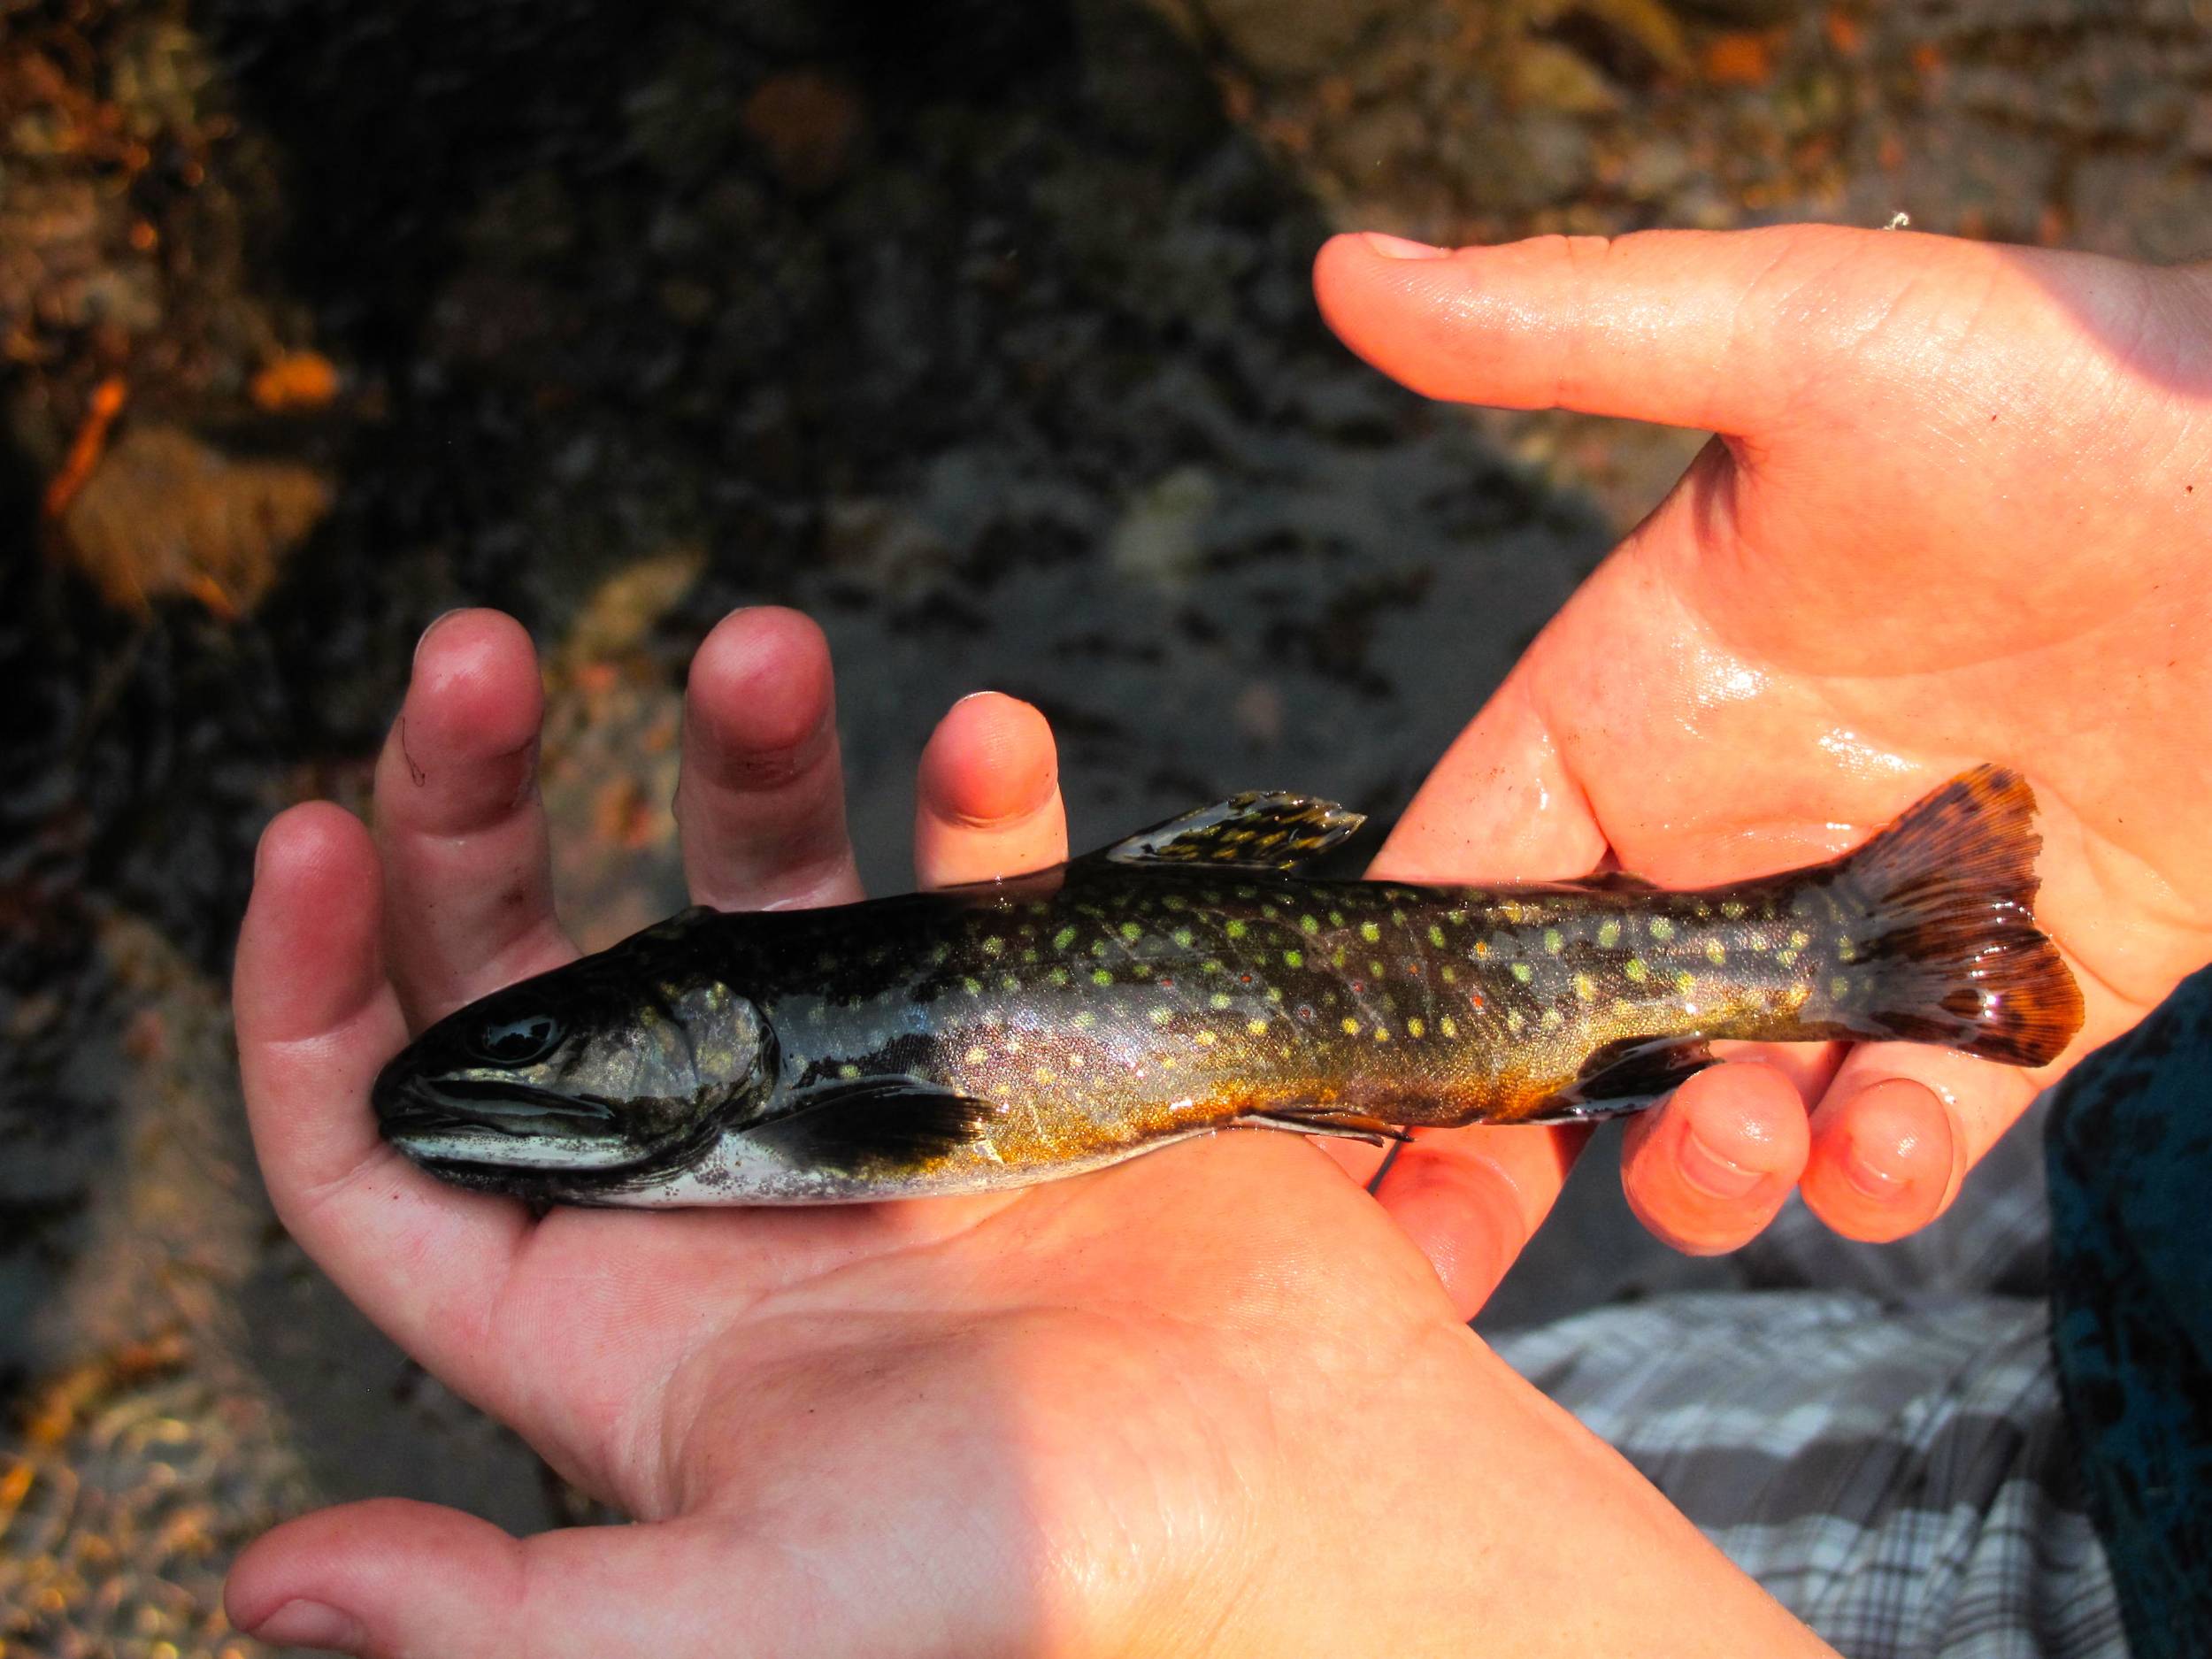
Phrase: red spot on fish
(1358,986)
(1167,982)
(1474,998)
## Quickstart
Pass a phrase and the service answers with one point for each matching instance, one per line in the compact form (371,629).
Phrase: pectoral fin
(894,1123)
(1246,832)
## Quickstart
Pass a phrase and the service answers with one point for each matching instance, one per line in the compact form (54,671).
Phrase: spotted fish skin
(1189,980)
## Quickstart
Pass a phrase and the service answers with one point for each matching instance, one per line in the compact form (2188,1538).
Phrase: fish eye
(519,1042)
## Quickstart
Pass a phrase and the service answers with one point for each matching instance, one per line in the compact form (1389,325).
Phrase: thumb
(395,1579)
(1711,330)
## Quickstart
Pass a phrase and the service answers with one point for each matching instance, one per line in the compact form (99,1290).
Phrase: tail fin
(1950,940)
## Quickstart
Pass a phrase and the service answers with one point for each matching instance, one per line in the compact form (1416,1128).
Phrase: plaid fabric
(1886,1453)
(1897,1475)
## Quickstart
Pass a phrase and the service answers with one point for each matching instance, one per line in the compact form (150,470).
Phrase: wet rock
(165,514)
(810,123)
(1292,38)
(2122,207)
(1160,539)
(1545,75)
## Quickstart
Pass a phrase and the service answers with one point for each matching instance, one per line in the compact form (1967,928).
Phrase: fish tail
(1948,951)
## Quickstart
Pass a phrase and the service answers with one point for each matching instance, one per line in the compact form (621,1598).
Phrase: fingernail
(435,623)
(309,1624)
(1861,1169)
(1402,248)
(1711,1173)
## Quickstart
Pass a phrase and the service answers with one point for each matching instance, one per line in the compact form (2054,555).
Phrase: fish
(1189,980)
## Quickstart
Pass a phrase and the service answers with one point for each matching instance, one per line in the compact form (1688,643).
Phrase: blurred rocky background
(981,331)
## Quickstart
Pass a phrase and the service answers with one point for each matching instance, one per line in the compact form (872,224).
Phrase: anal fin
(1627,1076)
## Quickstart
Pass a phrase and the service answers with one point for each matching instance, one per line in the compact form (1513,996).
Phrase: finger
(1710,1167)
(316,1019)
(1500,806)
(761,803)
(1471,1199)
(1690,328)
(1897,1130)
(987,799)
(457,819)
(389,1578)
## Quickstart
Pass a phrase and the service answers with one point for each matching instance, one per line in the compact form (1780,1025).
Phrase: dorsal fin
(1246,832)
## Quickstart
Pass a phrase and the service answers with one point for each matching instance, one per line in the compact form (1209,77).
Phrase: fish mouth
(463,1120)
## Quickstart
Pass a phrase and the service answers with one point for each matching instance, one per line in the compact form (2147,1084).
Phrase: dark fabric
(2129,1161)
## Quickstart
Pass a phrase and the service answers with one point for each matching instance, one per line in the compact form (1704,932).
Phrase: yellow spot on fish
(976,1056)
(1839,987)
(1512,909)
(1799,940)
(1375,968)
(1058,976)
(1100,976)
(1336,918)
(1009,982)
(1130,932)
(1211,966)
(1732,910)
(1684,981)
(1294,958)
(1515,1021)
(1552,1021)
(1205,1039)
(1062,940)
(1449,1026)
(1715,952)
(1181,936)
(1160,1016)
(1219,999)
(1610,933)
(1787,958)
(1552,941)
(1311,924)
(1414,1028)
(1585,987)
(1043,1074)
(1450,974)
(1255,1027)
(1637,970)
(1370,932)
(848,1070)
(1382,1033)
(1524,972)
(1351,1026)
(1436,936)
(974,987)
(1085,1019)
(1235,930)
(993,945)
(1100,946)
(1662,929)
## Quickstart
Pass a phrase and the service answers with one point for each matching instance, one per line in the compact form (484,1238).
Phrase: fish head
(620,1065)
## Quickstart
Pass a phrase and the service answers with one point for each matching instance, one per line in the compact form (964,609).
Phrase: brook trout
(1187,980)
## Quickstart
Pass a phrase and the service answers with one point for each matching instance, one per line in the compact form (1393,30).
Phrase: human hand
(1957,511)
(1209,1401)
